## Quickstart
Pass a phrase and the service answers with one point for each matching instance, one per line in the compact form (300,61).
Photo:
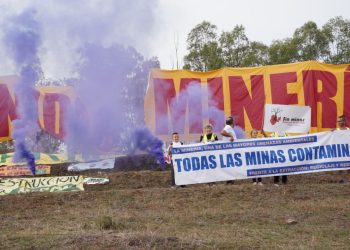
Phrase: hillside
(139,210)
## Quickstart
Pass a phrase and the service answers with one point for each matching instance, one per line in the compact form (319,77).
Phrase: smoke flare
(23,39)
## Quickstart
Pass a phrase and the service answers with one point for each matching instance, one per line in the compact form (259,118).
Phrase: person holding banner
(228,134)
(342,126)
(176,142)
(254,134)
(342,123)
(276,179)
(209,136)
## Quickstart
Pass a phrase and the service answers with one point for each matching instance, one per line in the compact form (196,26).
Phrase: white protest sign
(287,118)
(201,163)
(104,164)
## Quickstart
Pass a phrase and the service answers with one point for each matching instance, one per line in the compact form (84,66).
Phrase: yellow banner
(51,159)
(41,184)
(40,158)
(24,170)
(52,102)
(183,101)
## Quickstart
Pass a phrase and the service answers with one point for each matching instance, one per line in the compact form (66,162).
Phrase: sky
(264,21)
(155,27)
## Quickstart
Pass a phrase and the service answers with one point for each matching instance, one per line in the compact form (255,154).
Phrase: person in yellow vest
(208,136)
(276,179)
(342,126)
(342,123)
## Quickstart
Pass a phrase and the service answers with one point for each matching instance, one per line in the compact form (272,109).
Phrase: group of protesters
(229,135)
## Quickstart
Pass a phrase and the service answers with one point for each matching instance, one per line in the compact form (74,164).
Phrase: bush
(106,223)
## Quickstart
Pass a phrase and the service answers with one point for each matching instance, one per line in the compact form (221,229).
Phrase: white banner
(287,118)
(262,157)
(105,164)
(95,181)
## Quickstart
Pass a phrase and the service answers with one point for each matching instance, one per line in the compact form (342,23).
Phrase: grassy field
(139,210)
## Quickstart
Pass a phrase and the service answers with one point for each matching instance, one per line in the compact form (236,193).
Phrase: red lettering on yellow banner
(164,92)
(312,96)
(216,102)
(166,102)
(279,93)
(190,96)
(50,115)
(241,99)
(8,110)
(346,111)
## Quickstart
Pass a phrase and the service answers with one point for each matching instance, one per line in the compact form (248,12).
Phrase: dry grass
(139,210)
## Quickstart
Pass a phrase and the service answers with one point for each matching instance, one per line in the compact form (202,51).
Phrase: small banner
(95,181)
(24,170)
(41,184)
(50,159)
(287,118)
(105,164)
(198,163)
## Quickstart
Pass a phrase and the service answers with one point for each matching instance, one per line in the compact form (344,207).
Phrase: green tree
(282,51)
(258,55)
(235,46)
(204,52)
(337,31)
(233,49)
(310,42)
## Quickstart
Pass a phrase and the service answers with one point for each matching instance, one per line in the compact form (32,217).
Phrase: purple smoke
(240,133)
(186,99)
(94,49)
(107,116)
(142,139)
(22,39)
(189,97)
(188,105)
(97,118)
(215,115)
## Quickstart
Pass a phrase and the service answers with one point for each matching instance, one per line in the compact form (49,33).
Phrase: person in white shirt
(228,134)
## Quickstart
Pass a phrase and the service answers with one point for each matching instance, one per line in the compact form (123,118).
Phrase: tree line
(207,50)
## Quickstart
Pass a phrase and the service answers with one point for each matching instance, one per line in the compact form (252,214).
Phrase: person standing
(175,142)
(208,136)
(254,134)
(342,123)
(342,126)
(276,179)
(228,134)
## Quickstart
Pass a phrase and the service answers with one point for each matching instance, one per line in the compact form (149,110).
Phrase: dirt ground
(139,210)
